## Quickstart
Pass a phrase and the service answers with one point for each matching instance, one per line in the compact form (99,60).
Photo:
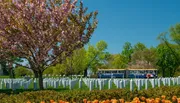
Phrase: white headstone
(7,85)
(25,85)
(164,81)
(120,84)
(142,82)
(139,84)
(109,84)
(45,84)
(136,82)
(35,85)
(14,86)
(100,85)
(70,85)
(156,81)
(80,83)
(173,81)
(52,83)
(56,84)
(178,80)
(64,83)
(60,82)
(103,83)
(159,82)
(91,86)
(169,82)
(146,84)
(96,83)
(131,85)
(124,83)
(21,83)
(152,83)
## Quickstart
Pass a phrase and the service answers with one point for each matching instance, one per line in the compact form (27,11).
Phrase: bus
(111,73)
(141,73)
(127,73)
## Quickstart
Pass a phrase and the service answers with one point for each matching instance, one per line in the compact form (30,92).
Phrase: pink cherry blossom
(32,29)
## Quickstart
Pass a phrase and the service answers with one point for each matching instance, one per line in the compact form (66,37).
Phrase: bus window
(132,72)
(141,71)
(107,71)
(120,71)
(114,71)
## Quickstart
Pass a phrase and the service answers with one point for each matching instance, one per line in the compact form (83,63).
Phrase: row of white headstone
(15,83)
(47,82)
(133,83)
(55,83)
(90,83)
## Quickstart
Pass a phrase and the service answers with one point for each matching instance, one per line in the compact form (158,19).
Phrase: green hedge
(78,96)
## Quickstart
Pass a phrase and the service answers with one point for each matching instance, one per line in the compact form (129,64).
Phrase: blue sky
(133,21)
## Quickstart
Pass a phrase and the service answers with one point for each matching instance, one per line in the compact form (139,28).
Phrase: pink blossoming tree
(43,32)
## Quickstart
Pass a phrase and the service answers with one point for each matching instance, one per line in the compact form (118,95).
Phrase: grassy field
(4,77)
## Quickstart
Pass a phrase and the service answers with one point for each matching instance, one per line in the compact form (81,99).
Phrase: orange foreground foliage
(135,100)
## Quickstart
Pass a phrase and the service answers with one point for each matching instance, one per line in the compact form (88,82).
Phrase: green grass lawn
(2,76)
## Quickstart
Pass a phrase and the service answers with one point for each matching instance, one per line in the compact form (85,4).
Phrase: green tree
(105,58)
(172,43)
(139,47)
(143,57)
(138,53)
(49,70)
(21,71)
(150,56)
(127,51)
(166,61)
(175,34)
(95,56)
(74,64)
(59,69)
(118,61)
(77,63)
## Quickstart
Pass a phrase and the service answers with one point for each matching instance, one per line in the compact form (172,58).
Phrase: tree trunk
(35,74)
(85,72)
(11,73)
(41,80)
